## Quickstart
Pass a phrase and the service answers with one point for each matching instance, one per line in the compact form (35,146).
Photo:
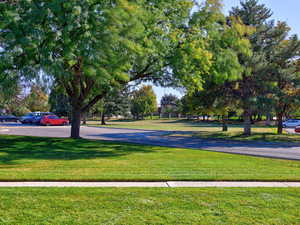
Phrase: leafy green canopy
(143,101)
(169,99)
(9,89)
(86,45)
(92,46)
(89,46)
(37,100)
(116,103)
(271,66)
(59,102)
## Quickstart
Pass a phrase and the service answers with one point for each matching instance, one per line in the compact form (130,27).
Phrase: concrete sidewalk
(171,184)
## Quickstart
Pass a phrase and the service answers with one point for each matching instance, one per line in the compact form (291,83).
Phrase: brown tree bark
(79,88)
(268,119)
(103,118)
(224,124)
(279,123)
(247,123)
(75,123)
(84,118)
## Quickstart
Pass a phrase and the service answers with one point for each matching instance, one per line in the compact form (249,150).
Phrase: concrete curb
(171,184)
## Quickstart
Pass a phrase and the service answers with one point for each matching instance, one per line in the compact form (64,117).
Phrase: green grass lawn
(167,124)
(35,158)
(203,129)
(138,206)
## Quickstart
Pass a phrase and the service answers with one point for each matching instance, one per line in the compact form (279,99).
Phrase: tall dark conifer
(251,85)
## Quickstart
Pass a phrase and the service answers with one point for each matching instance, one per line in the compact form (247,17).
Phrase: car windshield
(53,117)
(292,121)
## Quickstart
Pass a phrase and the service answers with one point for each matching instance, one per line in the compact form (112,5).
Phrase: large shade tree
(285,77)
(89,47)
(12,99)
(143,102)
(59,101)
(116,103)
(9,90)
(37,100)
(169,104)
(254,80)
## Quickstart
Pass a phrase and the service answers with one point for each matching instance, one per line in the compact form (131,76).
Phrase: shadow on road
(163,138)
(6,124)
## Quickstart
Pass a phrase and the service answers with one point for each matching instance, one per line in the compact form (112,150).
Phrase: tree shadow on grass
(193,123)
(13,148)
(256,136)
(214,124)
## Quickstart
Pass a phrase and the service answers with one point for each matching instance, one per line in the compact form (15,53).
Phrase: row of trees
(16,102)
(126,102)
(119,102)
(90,47)
(93,48)
(269,82)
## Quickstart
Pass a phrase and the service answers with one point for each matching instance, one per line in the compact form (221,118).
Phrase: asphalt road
(287,150)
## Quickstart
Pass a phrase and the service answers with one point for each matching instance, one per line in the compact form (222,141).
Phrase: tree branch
(94,101)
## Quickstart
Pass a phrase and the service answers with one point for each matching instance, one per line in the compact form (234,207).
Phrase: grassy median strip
(176,125)
(133,206)
(203,129)
(35,158)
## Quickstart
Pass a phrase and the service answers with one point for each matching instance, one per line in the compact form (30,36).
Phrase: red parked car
(297,129)
(53,120)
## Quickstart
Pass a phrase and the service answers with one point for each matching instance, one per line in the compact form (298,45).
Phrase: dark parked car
(33,117)
(37,120)
(9,118)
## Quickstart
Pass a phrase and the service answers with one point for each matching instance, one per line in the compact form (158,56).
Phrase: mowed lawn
(171,125)
(202,129)
(132,206)
(35,158)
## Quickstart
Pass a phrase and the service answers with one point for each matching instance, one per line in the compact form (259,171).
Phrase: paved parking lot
(160,138)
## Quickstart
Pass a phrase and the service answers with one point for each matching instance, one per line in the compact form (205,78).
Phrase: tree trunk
(84,118)
(247,123)
(75,123)
(170,116)
(279,123)
(259,117)
(268,121)
(224,124)
(103,118)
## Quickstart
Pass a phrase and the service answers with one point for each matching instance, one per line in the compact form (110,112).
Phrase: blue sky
(287,10)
